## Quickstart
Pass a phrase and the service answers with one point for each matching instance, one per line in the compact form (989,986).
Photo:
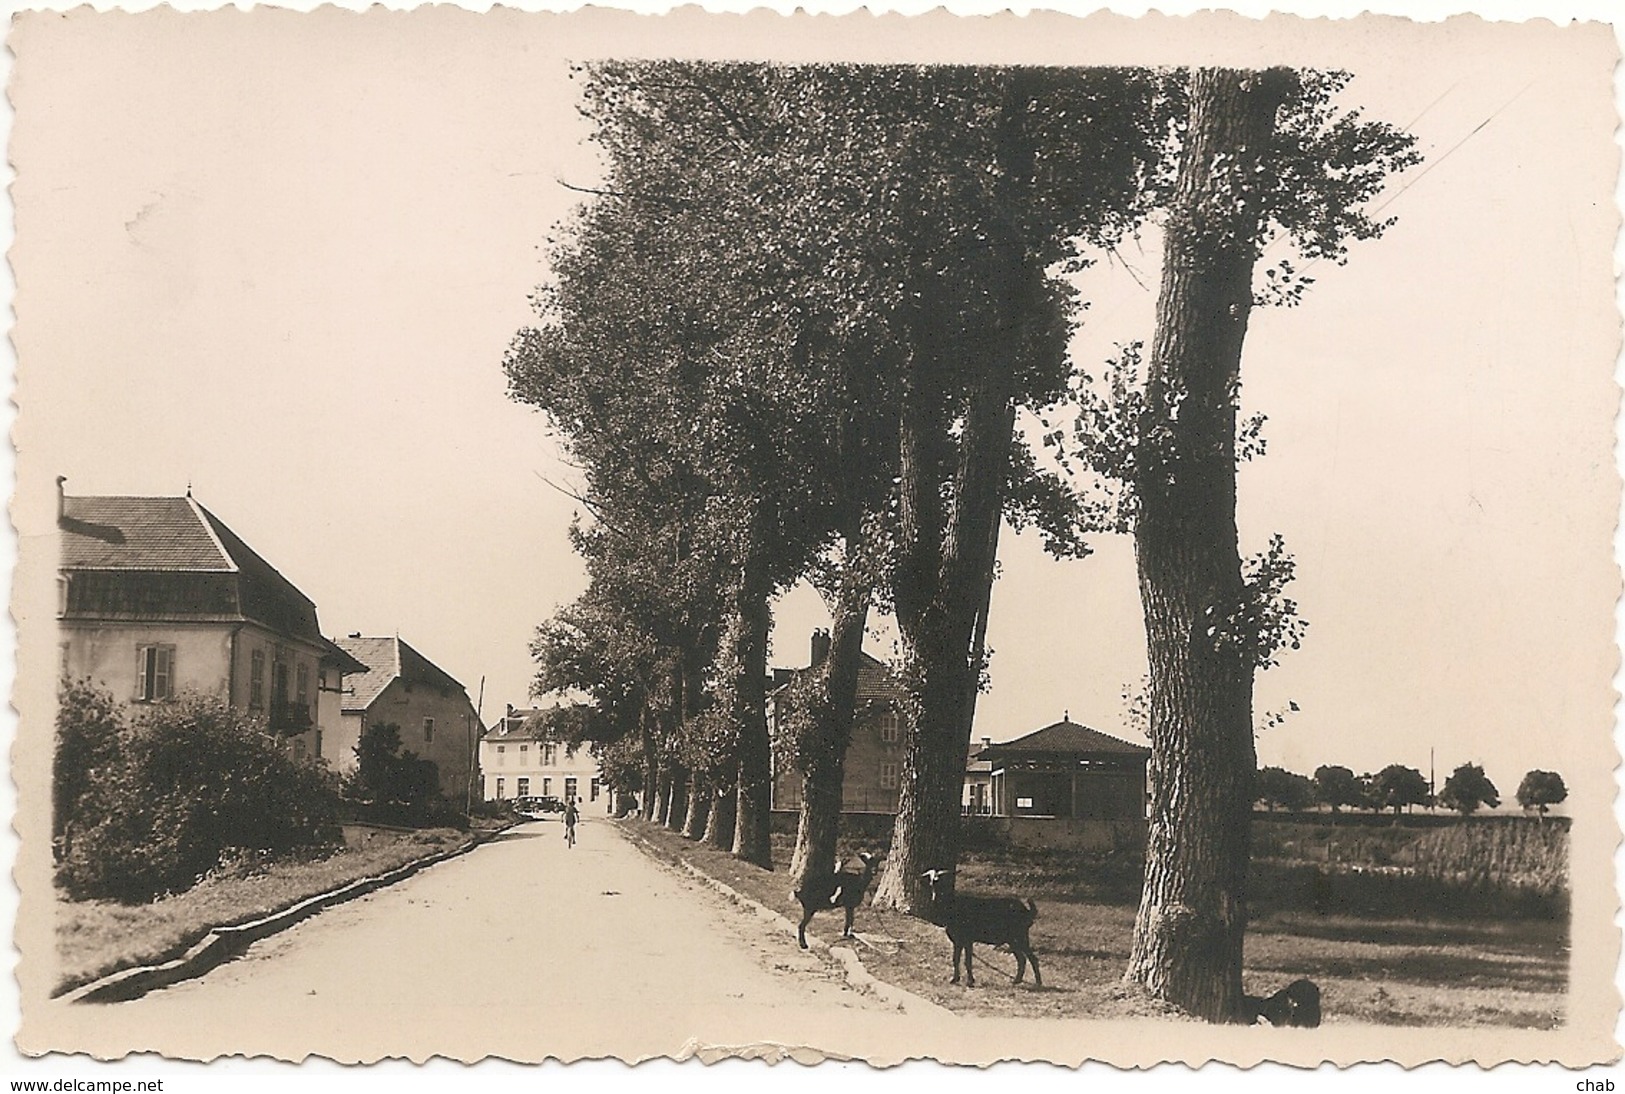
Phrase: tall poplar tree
(1258,153)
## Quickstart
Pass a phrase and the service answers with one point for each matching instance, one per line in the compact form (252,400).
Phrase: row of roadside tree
(789,337)
(1401,789)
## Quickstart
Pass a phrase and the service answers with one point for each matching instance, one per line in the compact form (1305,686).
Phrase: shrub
(89,726)
(195,780)
(402,783)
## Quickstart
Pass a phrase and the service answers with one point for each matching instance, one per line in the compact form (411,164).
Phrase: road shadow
(514,833)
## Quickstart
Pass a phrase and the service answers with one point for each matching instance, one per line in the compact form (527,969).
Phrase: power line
(1420,175)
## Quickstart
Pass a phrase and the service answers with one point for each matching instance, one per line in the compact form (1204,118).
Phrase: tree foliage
(1337,786)
(1467,789)
(1541,790)
(384,775)
(194,780)
(89,729)
(1398,787)
(1277,786)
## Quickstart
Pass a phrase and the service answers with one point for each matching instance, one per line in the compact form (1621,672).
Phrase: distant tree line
(1400,789)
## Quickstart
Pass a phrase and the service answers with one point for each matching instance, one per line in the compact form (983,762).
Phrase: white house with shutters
(156,595)
(517,761)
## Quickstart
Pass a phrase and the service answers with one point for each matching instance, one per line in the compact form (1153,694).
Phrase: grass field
(98,937)
(1484,964)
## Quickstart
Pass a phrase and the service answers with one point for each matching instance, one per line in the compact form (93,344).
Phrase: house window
(592,791)
(547,787)
(569,788)
(301,688)
(524,759)
(502,761)
(499,789)
(321,679)
(888,776)
(155,673)
(889,727)
(256,679)
(550,755)
(524,788)
(279,683)
(428,730)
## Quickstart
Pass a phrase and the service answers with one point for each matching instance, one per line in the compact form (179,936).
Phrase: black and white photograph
(1073,537)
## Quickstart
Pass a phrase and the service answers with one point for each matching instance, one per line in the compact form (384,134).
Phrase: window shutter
(163,671)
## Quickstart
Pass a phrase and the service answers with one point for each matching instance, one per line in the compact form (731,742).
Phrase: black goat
(843,889)
(1297,1004)
(997,920)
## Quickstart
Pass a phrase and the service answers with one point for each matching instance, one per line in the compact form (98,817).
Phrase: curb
(222,944)
(860,978)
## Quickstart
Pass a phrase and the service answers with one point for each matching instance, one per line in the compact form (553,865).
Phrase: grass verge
(1393,969)
(98,937)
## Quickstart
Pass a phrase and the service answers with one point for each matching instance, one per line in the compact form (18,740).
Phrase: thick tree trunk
(943,590)
(1188,934)
(699,807)
(752,834)
(824,753)
(662,793)
(681,786)
(719,827)
(942,623)
(677,797)
(651,771)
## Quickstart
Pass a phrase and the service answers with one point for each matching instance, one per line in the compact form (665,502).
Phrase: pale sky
(283,267)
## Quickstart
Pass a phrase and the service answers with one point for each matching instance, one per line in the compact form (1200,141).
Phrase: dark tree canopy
(1467,789)
(1277,786)
(1337,786)
(1541,790)
(1398,787)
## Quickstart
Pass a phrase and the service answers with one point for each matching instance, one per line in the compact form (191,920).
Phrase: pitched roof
(1066,738)
(875,677)
(172,558)
(337,655)
(518,725)
(387,660)
(112,533)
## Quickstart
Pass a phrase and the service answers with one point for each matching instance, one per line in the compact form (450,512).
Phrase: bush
(490,810)
(401,784)
(195,781)
(89,726)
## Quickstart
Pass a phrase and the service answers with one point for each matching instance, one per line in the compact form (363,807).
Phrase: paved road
(522,949)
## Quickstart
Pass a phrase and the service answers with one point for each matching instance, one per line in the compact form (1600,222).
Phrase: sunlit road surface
(522,949)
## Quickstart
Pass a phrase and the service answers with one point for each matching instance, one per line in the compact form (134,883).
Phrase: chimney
(820,647)
(61,499)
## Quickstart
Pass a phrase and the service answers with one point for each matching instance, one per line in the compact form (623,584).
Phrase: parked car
(538,806)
